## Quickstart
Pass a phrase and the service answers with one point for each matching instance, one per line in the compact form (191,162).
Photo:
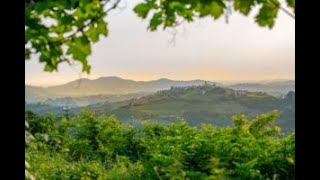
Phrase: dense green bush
(100,147)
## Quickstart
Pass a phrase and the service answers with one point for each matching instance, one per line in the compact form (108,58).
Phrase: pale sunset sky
(205,49)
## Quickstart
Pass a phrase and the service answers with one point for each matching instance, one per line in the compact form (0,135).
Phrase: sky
(206,49)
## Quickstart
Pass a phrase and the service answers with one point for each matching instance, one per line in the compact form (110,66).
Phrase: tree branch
(283,9)
(115,5)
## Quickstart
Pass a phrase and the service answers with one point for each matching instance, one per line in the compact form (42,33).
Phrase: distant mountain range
(196,104)
(102,86)
(83,92)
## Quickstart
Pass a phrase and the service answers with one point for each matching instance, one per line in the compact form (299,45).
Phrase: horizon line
(217,81)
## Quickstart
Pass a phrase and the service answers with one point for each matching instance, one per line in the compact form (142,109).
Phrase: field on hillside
(200,104)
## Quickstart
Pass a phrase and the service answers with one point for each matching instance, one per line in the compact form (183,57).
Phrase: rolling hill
(86,91)
(201,104)
(274,88)
(102,86)
(167,100)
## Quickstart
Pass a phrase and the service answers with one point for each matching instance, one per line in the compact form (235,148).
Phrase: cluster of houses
(193,87)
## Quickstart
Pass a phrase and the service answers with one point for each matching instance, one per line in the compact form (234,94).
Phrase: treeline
(87,146)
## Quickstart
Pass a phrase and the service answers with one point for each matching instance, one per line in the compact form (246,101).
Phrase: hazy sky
(205,49)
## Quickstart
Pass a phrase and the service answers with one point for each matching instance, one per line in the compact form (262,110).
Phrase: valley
(168,101)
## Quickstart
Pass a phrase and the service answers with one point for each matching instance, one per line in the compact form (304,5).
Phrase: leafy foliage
(63,31)
(267,15)
(100,147)
(171,13)
(243,6)
(28,138)
(291,3)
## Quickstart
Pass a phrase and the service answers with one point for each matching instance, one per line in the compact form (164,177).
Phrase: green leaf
(44,57)
(243,6)
(79,48)
(291,3)
(155,21)
(48,68)
(142,10)
(96,30)
(102,27)
(41,6)
(86,67)
(169,21)
(27,53)
(216,9)
(181,10)
(267,15)
(93,34)
(65,19)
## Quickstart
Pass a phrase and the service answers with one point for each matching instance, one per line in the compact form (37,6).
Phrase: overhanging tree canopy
(64,30)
